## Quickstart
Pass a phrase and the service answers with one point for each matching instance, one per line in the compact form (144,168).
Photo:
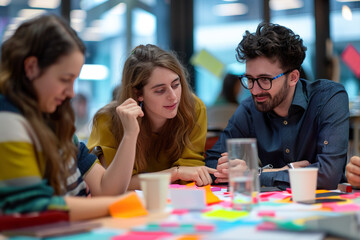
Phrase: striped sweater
(22,167)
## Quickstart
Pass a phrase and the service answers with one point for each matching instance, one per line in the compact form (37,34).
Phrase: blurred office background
(112,28)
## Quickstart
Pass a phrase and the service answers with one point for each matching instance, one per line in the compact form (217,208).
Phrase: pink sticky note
(279,195)
(342,207)
(267,194)
(215,189)
(348,196)
(204,227)
(179,211)
(266,214)
(266,226)
(142,236)
(352,59)
(176,186)
(226,204)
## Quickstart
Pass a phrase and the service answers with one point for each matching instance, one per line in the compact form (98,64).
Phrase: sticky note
(226,204)
(179,211)
(209,62)
(228,215)
(266,226)
(143,236)
(189,237)
(266,214)
(351,57)
(187,198)
(341,207)
(211,198)
(204,227)
(215,189)
(176,186)
(127,207)
(348,196)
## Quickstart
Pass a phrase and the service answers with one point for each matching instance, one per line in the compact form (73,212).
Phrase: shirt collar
(299,102)
(300,97)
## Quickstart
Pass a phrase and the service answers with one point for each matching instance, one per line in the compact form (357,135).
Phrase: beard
(272,101)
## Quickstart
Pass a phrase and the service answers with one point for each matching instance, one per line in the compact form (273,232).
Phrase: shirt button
(287,150)
(285,122)
(326,142)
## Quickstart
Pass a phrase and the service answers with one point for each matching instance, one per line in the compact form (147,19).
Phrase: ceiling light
(93,72)
(346,13)
(52,4)
(230,9)
(4,2)
(278,5)
(30,13)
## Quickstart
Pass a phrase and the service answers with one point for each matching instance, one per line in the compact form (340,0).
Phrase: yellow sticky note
(127,207)
(229,215)
(209,62)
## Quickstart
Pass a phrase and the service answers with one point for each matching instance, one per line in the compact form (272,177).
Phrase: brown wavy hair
(48,38)
(275,42)
(175,132)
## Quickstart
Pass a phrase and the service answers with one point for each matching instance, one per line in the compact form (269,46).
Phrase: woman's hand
(200,175)
(128,112)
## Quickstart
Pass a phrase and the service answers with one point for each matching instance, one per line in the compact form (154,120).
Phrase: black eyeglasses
(264,83)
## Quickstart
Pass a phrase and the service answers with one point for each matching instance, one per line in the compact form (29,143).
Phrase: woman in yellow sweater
(173,129)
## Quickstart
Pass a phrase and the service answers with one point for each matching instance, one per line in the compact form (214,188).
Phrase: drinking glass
(243,172)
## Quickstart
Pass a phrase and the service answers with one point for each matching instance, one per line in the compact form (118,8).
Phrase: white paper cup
(155,188)
(303,183)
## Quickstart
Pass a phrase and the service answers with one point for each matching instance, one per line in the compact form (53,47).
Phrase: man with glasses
(297,123)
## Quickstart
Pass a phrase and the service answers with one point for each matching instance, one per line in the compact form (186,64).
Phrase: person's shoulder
(324,85)
(323,88)
(247,104)
(199,104)
(104,115)
(14,127)
(7,106)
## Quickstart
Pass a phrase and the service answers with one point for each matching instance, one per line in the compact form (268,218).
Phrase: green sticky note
(209,62)
(228,215)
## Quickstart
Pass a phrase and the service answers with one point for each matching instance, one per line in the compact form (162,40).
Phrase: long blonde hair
(48,38)
(174,135)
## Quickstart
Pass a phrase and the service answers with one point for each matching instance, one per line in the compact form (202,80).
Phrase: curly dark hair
(274,42)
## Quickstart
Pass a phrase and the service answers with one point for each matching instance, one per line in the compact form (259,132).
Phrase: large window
(218,29)
(344,33)
(109,28)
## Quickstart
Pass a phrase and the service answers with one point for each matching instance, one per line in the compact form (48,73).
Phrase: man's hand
(353,171)
(222,173)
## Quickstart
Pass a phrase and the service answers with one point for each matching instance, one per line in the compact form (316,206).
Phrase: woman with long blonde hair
(173,129)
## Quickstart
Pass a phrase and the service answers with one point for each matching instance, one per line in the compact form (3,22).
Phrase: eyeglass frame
(257,80)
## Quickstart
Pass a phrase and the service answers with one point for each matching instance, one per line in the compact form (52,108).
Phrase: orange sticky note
(192,184)
(127,207)
(210,196)
(189,237)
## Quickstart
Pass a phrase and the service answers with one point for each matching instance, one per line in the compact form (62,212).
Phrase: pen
(290,165)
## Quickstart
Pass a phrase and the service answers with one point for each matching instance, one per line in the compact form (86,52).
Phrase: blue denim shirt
(316,129)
